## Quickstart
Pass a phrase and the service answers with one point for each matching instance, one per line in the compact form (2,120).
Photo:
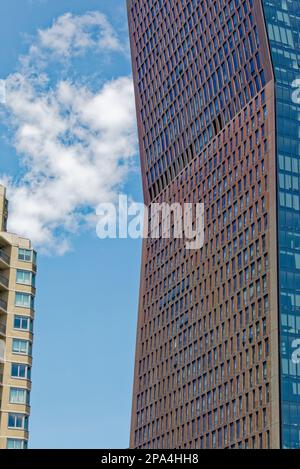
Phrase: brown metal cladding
(206,364)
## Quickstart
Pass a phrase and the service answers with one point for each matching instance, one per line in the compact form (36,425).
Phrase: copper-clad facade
(207,352)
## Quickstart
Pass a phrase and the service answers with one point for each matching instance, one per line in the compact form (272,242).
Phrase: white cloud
(72,34)
(76,146)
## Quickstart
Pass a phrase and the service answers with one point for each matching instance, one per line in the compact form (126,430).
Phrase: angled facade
(17,292)
(217,124)
(283,27)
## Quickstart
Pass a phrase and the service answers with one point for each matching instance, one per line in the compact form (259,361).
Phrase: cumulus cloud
(75,145)
(71,34)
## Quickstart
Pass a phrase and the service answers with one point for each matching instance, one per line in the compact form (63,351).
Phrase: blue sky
(87,289)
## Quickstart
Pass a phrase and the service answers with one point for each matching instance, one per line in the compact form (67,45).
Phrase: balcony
(1,374)
(3,305)
(4,259)
(3,282)
(3,328)
(2,350)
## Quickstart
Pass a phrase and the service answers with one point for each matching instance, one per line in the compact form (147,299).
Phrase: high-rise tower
(17,291)
(218,120)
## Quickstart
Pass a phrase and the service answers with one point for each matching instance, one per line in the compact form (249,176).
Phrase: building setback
(17,291)
(218,124)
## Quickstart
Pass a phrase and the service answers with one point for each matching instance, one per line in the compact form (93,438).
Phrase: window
(25,255)
(25,277)
(21,346)
(19,421)
(18,396)
(24,300)
(18,370)
(33,257)
(16,444)
(23,323)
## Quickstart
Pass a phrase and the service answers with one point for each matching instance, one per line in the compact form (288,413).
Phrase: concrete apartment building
(17,292)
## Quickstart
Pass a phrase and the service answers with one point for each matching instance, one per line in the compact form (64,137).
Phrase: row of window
(24,300)
(16,443)
(213,403)
(21,346)
(237,225)
(18,421)
(23,323)
(20,371)
(27,255)
(236,430)
(19,396)
(283,22)
(25,277)
(251,71)
(208,441)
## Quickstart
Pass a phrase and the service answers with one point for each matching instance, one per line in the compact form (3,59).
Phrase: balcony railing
(4,256)
(2,328)
(3,280)
(3,304)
